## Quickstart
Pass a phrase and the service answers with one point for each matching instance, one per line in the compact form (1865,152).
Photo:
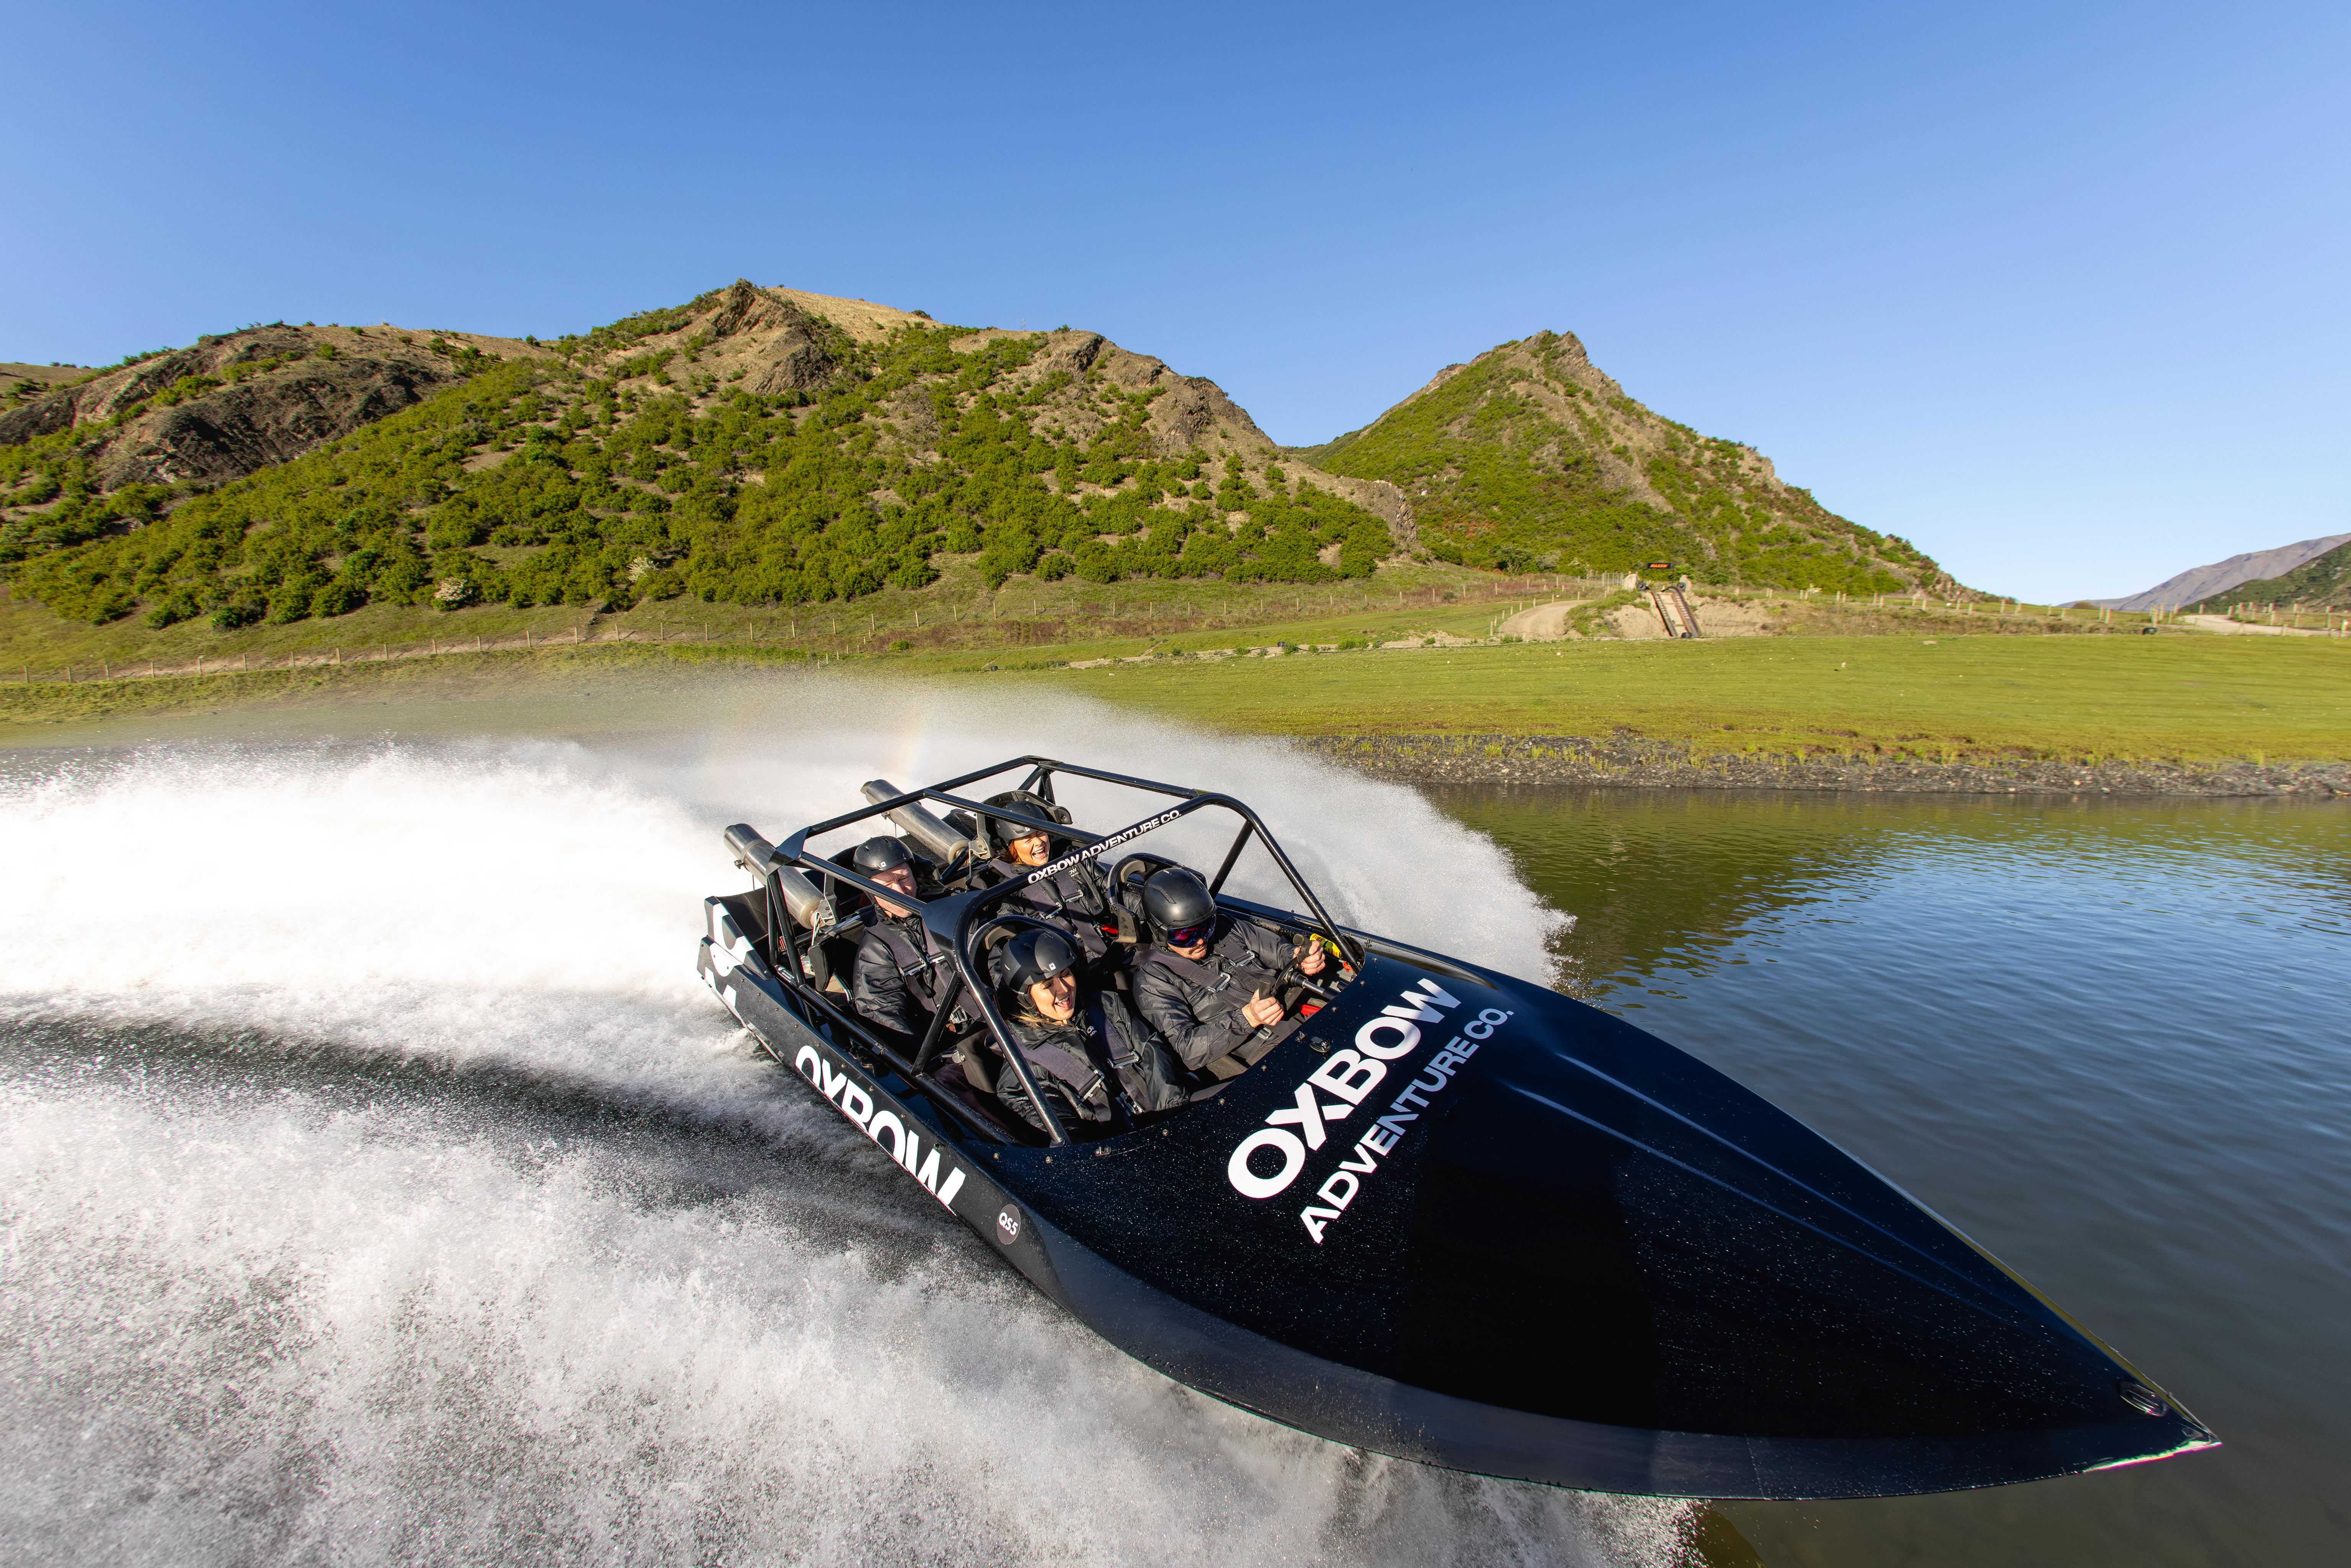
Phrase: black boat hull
(1548,1165)
(1362,1410)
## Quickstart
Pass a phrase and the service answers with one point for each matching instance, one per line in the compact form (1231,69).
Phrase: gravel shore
(1632,762)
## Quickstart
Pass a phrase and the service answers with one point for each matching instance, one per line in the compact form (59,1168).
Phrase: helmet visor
(1186,936)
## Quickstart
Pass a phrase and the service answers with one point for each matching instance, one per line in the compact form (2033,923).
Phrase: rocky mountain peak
(233,403)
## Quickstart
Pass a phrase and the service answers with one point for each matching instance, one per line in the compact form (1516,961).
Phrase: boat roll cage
(954,919)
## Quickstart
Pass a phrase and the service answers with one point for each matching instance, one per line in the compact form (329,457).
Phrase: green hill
(754,447)
(2322,582)
(1528,457)
(764,446)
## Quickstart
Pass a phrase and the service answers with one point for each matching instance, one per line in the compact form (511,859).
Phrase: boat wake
(381,1184)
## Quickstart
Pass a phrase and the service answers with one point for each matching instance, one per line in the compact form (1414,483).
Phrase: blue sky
(2055,291)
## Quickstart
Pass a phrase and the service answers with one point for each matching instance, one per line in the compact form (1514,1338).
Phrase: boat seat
(952,1078)
(971,1057)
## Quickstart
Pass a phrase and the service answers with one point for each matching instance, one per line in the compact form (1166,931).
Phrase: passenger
(1210,984)
(1069,901)
(901,976)
(1070,1032)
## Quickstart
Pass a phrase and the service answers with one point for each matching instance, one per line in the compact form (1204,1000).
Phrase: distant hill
(1529,456)
(2200,583)
(753,446)
(2319,583)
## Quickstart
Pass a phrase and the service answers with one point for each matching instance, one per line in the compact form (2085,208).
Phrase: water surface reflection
(2107,1040)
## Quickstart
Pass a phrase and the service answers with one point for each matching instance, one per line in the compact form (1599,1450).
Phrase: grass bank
(26,710)
(1947,699)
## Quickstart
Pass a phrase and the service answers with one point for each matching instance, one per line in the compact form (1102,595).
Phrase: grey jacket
(900,980)
(1195,1004)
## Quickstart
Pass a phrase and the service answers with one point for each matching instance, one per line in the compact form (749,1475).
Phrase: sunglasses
(1186,936)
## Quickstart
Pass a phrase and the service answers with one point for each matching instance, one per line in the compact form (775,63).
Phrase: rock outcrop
(232,404)
(779,344)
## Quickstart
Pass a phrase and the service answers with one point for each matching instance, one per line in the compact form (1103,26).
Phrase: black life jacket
(1066,899)
(1103,1029)
(1137,1055)
(1058,1052)
(1212,972)
(1067,894)
(1203,984)
(929,976)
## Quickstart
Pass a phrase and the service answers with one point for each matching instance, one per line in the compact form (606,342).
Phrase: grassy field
(2178,696)
(1947,699)
(1027,621)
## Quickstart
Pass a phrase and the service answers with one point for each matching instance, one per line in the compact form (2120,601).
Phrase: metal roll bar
(951,916)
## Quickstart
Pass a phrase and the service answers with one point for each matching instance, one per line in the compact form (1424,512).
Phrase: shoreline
(1627,762)
(32,717)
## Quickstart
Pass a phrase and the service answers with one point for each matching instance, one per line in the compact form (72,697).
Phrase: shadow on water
(680,1155)
(2107,1040)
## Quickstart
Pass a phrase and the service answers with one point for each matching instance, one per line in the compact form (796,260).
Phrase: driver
(1209,983)
(1086,1047)
(901,978)
(1069,900)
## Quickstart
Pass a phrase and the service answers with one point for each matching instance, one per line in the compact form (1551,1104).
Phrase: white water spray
(277,1298)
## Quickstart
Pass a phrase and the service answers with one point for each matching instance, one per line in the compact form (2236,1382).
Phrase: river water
(380,1186)
(2109,1042)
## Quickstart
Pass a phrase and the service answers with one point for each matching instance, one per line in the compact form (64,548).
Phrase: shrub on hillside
(179,605)
(241,610)
(338,598)
(603,473)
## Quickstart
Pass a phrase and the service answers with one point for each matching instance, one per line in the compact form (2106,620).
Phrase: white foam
(272,1330)
(387,1334)
(538,903)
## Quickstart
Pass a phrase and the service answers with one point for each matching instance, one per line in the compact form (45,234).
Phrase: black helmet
(1002,830)
(1031,958)
(879,854)
(1178,903)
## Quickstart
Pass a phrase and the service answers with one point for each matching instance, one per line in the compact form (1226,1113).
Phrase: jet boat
(1454,1217)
